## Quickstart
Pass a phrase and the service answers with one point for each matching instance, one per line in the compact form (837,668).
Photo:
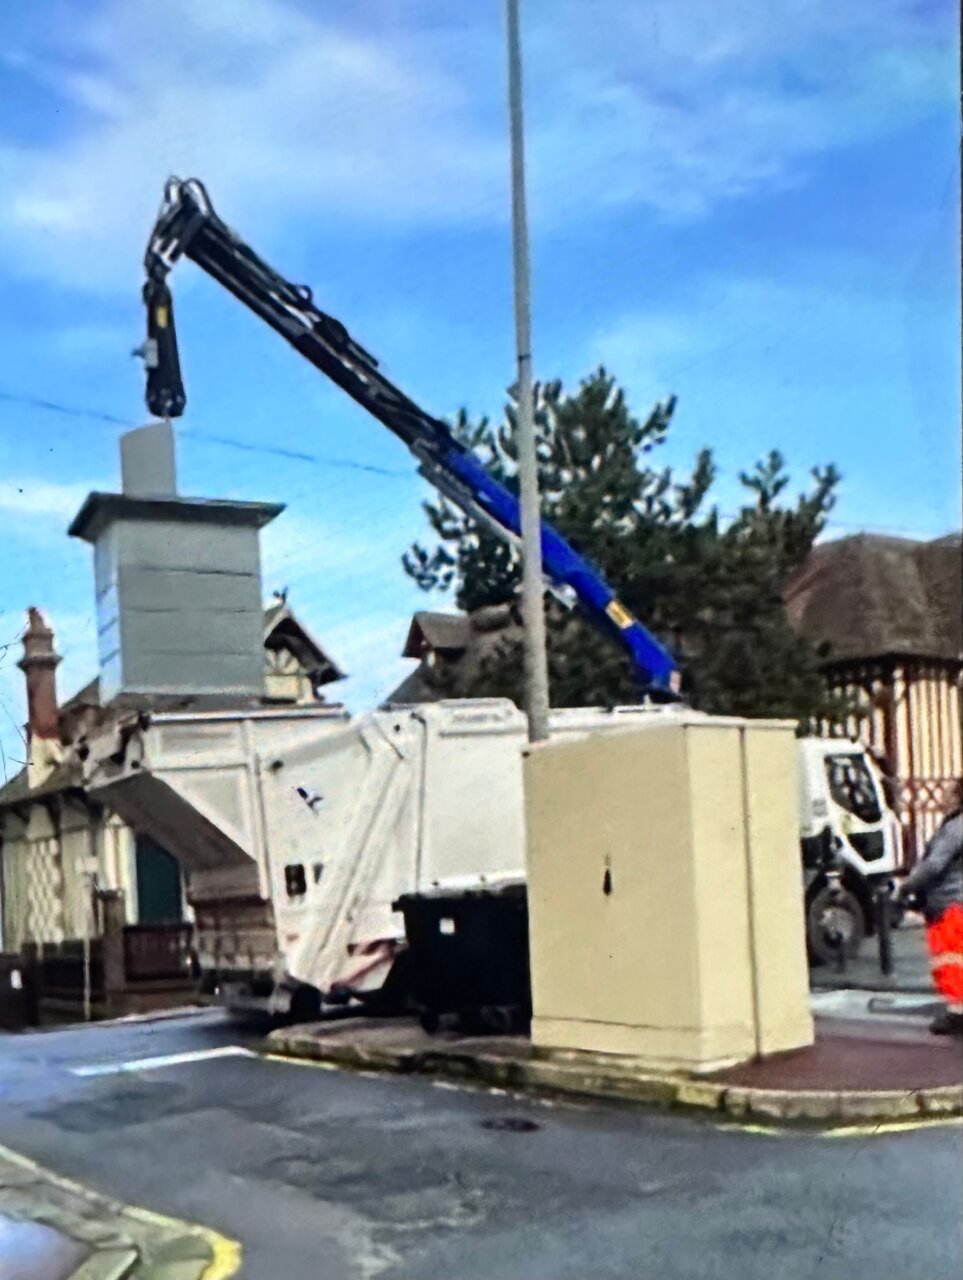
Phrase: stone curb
(592,1079)
(123,1020)
(122,1242)
(877,986)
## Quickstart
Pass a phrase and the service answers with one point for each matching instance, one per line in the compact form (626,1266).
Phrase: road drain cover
(511,1124)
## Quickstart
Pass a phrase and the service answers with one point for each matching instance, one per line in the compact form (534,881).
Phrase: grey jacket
(937,879)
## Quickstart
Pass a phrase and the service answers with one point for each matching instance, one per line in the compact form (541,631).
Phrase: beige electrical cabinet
(665,895)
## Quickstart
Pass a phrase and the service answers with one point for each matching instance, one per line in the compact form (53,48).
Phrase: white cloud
(295,118)
(643,347)
(283,115)
(679,104)
(49,500)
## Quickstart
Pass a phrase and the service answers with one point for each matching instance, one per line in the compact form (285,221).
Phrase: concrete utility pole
(533,584)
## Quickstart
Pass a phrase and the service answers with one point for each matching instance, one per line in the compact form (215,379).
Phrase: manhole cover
(511,1124)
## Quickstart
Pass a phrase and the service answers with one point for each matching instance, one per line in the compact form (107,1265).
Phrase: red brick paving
(842,1059)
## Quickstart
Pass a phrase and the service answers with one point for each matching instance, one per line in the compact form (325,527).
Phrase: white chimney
(178,580)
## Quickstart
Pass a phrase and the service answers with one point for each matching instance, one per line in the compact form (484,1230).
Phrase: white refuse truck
(298,828)
(851,844)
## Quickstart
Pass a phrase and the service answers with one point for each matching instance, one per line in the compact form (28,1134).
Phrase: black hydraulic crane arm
(187,226)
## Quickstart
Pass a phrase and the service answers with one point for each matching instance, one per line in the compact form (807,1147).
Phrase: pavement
(874,1058)
(54,1229)
(321,1173)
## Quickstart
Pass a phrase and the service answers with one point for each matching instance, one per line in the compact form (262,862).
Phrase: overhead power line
(70,411)
(322,460)
(295,455)
(278,451)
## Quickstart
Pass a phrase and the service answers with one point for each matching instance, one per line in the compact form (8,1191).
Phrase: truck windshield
(851,786)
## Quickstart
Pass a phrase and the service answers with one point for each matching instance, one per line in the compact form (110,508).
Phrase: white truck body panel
(298,828)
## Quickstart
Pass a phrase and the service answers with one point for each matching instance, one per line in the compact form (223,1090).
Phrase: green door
(159,896)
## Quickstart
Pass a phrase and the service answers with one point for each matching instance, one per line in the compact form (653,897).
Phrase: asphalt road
(323,1174)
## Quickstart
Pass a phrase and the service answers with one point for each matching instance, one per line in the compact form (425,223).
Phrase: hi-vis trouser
(945,938)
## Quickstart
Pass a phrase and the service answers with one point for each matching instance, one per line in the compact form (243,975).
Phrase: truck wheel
(830,915)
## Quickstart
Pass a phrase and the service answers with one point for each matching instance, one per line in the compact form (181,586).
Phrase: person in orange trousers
(936,885)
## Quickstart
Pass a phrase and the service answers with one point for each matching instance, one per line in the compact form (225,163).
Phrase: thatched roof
(871,596)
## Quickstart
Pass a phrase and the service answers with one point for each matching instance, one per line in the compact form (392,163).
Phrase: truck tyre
(832,912)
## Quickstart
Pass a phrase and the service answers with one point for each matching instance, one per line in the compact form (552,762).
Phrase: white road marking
(300,1062)
(165,1060)
(156,1015)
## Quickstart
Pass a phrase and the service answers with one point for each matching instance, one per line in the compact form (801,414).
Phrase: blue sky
(755,209)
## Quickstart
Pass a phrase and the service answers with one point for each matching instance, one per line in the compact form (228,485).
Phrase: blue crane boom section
(187,226)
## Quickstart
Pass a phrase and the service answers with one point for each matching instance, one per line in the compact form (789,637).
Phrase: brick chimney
(39,665)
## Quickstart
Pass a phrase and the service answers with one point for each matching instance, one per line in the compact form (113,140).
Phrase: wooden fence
(910,711)
(134,968)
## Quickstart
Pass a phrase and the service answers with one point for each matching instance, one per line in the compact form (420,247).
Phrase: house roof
(414,688)
(464,640)
(15,788)
(870,596)
(282,628)
(445,632)
(63,777)
(88,696)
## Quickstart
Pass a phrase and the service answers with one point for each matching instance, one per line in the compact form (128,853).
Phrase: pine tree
(711,590)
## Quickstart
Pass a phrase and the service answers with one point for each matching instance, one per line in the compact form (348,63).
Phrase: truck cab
(850,839)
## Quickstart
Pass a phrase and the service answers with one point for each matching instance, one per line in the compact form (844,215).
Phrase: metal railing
(156,952)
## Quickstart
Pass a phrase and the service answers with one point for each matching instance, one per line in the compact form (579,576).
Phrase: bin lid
(459,890)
